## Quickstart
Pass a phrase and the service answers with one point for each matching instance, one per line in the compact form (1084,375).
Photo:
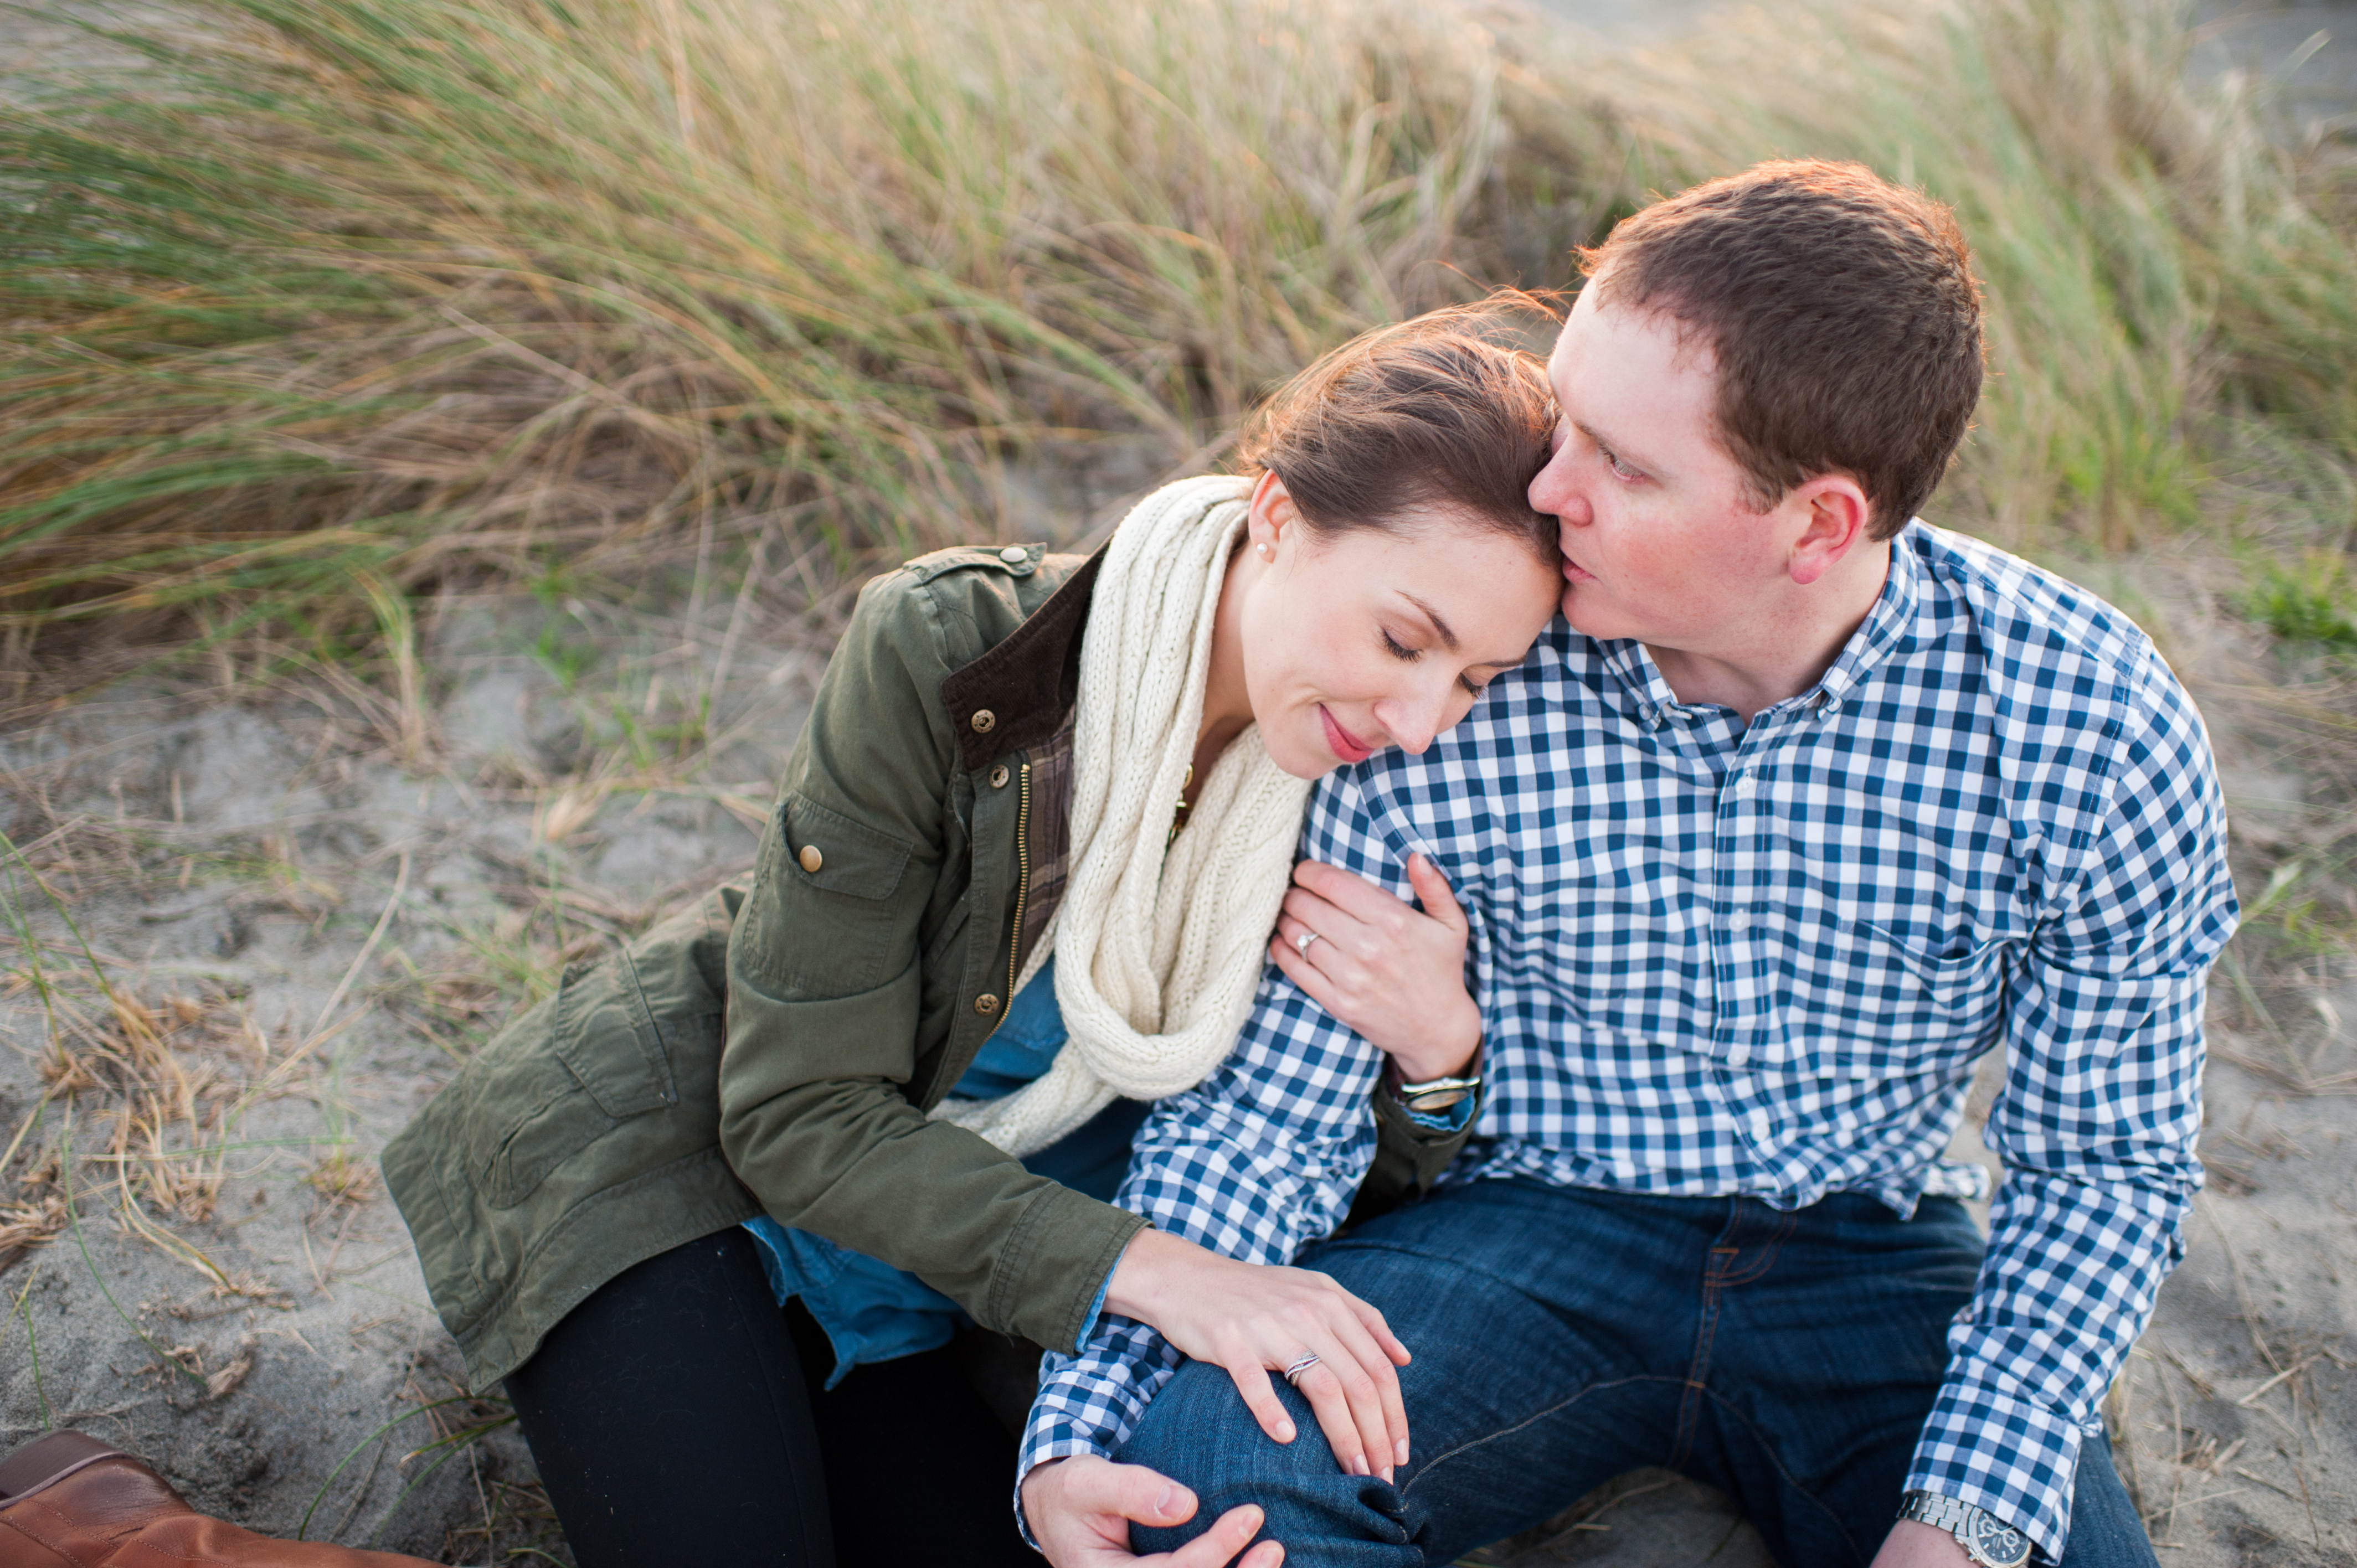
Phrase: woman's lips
(1342,742)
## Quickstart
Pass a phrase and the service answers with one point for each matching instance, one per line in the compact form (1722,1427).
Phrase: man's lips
(1342,742)
(1574,572)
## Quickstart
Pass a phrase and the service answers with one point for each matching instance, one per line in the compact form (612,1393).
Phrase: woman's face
(1370,638)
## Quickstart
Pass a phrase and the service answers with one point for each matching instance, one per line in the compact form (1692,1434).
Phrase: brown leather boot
(71,1501)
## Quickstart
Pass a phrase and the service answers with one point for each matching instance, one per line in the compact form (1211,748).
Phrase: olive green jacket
(775,1047)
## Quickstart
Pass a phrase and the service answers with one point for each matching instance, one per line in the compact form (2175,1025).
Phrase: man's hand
(1256,1318)
(1079,1511)
(1395,974)
(1912,1544)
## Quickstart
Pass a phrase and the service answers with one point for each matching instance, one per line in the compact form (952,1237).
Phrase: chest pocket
(822,915)
(1941,993)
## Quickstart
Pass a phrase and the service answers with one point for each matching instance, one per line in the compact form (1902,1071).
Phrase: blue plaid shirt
(1720,959)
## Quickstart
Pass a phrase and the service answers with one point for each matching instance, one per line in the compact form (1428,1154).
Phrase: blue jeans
(1564,1337)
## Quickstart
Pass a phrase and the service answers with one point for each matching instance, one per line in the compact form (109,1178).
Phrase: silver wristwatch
(1986,1538)
(1434,1093)
(1437,1093)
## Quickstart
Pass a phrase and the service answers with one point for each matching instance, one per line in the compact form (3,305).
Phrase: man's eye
(1619,470)
(1409,654)
(1477,688)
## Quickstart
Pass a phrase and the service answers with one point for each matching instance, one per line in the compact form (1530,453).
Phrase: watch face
(1997,1543)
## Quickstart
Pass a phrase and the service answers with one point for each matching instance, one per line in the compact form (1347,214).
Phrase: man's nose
(1554,492)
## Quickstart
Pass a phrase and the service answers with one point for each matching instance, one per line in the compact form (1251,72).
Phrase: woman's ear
(1271,517)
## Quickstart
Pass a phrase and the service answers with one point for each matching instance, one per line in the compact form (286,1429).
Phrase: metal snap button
(998,776)
(983,721)
(810,858)
(1015,555)
(986,1004)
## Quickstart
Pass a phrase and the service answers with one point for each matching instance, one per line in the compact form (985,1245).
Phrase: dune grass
(2158,263)
(325,301)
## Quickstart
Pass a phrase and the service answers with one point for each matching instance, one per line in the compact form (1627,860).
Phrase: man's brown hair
(1843,315)
(1432,415)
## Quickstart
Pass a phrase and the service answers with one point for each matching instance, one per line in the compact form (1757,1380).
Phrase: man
(1806,808)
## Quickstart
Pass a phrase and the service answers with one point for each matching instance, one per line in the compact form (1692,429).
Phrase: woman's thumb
(1432,890)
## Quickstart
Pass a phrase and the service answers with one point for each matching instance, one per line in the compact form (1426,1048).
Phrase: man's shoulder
(2048,646)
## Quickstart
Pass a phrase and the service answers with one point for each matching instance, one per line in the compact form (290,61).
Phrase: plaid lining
(1052,831)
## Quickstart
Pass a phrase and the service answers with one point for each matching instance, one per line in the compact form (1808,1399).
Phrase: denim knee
(1198,1433)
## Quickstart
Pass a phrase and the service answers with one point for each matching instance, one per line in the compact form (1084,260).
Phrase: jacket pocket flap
(828,851)
(607,1037)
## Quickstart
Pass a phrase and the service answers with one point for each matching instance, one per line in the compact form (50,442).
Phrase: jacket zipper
(1022,891)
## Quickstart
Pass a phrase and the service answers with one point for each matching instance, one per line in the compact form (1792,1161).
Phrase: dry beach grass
(454,431)
(318,303)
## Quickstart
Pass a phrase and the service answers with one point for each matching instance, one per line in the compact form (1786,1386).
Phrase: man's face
(1659,540)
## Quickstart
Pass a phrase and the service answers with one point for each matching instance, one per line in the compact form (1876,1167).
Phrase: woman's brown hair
(1436,416)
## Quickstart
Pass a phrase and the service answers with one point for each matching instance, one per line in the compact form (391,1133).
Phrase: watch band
(1435,1094)
(1988,1540)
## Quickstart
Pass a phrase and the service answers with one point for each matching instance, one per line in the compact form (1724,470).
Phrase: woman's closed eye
(1410,655)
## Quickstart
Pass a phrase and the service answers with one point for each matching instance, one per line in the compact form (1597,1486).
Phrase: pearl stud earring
(1263,550)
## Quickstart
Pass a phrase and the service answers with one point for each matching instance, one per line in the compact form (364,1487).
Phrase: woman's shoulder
(959,602)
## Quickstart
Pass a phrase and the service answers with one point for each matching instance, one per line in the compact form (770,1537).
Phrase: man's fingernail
(1285,1432)
(1400,1449)
(1168,1503)
(1358,1465)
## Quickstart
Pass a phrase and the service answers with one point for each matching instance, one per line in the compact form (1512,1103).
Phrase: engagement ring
(1293,1373)
(1302,947)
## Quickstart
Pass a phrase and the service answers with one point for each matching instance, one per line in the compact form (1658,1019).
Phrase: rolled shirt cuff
(2010,1457)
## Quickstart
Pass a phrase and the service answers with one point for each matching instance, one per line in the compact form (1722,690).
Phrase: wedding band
(1302,947)
(1293,1373)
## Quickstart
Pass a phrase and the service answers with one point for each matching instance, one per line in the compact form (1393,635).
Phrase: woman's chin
(1302,760)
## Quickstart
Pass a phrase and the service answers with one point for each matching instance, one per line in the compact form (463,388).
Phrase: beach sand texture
(313,925)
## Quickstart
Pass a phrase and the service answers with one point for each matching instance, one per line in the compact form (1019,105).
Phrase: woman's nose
(1412,720)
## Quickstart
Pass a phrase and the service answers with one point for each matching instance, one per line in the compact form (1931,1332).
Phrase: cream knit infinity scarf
(1160,942)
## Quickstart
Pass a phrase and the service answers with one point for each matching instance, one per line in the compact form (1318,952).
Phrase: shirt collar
(1886,626)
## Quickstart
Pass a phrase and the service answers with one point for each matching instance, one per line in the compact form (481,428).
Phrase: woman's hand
(1079,1511)
(1256,1319)
(1395,975)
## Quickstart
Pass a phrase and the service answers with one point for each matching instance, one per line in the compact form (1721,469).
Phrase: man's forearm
(2068,1284)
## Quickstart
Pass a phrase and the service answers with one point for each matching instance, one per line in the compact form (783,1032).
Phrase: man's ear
(1833,512)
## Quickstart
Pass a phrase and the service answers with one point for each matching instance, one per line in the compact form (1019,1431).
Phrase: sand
(255,854)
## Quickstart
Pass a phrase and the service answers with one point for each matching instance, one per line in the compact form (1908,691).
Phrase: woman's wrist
(1141,1276)
(1449,1051)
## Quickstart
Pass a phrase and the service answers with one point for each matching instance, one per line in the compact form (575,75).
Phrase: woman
(1021,878)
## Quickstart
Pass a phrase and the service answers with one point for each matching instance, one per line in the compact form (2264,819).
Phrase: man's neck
(1783,654)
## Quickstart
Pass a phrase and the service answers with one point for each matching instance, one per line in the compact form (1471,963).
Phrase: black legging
(677,1417)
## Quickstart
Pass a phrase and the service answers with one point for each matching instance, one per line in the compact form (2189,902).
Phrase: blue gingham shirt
(1718,959)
